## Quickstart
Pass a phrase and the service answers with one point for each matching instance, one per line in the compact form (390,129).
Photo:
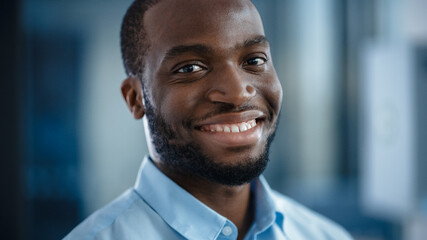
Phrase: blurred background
(352,141)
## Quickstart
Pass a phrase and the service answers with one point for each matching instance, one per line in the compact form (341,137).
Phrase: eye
(256,61)
(190,68)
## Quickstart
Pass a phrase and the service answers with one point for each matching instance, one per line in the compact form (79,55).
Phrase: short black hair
(133,37)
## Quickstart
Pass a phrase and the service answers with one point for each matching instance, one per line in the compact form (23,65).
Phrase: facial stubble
(189,159)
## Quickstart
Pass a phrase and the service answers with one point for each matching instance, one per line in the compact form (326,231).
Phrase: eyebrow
(257,40)
(202,49)
(181,49)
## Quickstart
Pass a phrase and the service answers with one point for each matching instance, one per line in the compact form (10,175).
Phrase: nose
(230,86)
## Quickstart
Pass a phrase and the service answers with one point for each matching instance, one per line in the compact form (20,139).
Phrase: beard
(189,159)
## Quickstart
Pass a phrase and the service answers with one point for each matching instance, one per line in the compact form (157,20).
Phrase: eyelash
(180,70)
(264,61)
(200,68)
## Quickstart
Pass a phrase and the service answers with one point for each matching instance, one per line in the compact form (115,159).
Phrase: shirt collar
(179,208)
(267,212)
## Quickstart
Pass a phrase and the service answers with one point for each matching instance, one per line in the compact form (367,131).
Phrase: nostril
(250,88)
(236,90)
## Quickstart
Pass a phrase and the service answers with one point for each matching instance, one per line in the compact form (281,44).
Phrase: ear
(132,93)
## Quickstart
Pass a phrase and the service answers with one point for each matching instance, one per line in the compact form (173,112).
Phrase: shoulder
(303,223)
(104,218)
(127,217)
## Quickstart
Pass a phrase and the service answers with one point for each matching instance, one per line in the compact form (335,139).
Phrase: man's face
(211,92)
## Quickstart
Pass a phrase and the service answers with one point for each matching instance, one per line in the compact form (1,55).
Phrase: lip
(236,139)
(247,138)
(230,118)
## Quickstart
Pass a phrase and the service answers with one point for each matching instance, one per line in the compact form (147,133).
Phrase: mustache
(223,108)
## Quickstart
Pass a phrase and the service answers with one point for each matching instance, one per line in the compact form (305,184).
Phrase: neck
(232,202)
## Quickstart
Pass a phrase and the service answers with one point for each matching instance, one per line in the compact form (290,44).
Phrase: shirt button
(227,230)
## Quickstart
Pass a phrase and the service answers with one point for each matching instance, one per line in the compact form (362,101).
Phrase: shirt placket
(228,232)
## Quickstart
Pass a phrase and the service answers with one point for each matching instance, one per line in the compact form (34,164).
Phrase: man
(202,79)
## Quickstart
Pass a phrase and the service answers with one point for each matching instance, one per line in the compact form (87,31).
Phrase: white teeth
(230,128)
(243,127)
(234,128)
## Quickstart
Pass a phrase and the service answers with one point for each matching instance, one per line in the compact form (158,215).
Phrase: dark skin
(203,55)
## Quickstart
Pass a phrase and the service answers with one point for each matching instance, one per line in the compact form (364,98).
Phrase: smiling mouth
(237,133)
(235,129)
(232,123)
(229,128)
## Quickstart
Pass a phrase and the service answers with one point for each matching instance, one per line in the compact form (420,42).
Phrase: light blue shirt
(157,208)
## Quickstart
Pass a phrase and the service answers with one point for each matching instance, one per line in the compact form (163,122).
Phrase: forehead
(217,22)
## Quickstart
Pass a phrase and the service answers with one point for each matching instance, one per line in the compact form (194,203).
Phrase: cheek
(177,105)
(277,95)
(271,89)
